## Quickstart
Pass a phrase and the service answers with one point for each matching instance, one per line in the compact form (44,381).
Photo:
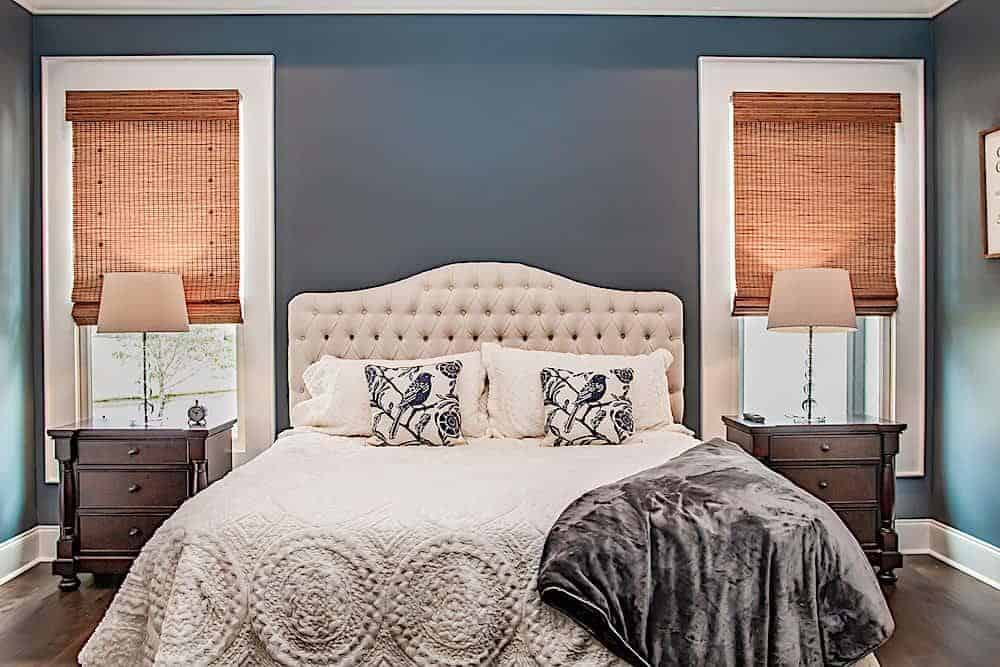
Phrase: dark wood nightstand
(118,482)
(849,464)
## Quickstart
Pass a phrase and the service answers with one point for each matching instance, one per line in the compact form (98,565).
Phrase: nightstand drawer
(863,523)
(133,488)
(125,452)
(836,483)
(825,448)
(118,532)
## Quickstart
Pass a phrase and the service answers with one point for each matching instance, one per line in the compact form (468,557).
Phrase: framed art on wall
(989,156)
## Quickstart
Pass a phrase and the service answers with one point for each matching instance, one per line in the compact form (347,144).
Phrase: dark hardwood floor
(41,625)
(943,617)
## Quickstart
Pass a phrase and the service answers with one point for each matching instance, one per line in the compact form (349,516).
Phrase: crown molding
(913,9)
(940,6)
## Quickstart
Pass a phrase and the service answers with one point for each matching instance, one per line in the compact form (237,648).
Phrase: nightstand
(849,464)
(118,482)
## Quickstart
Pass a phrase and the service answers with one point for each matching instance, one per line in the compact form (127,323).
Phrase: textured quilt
(713,559)
(323,551)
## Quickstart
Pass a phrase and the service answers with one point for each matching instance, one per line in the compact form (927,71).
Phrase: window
(156,178)
(71,375)
(814,177)
(897,381)
(182,367)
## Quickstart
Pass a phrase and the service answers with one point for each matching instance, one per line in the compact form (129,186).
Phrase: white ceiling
(802,8)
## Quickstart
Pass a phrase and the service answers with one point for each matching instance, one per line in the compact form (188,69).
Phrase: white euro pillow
(339,403)
(515,401)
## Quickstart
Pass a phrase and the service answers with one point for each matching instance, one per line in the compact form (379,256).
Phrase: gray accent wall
(407,142)
(966,316)
(17,436)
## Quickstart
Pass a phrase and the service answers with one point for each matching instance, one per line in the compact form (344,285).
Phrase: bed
(323,550)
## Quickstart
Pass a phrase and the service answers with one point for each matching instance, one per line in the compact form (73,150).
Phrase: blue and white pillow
(587,408)
(415,405)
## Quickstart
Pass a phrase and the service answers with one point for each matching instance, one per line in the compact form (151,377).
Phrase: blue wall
(405,142)
(17,439)
(966,337)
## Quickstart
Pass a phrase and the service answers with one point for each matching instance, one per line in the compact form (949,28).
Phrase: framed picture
(989,155)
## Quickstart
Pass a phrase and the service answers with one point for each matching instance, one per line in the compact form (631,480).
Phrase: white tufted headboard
(458,307)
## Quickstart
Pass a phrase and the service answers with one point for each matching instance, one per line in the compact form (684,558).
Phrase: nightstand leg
(887,577)
(65,563)
(69,582)
(889,558)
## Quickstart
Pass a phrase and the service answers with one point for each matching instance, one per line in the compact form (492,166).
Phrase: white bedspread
(326,551)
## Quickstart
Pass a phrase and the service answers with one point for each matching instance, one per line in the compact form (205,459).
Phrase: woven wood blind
(815,188)
(156,188)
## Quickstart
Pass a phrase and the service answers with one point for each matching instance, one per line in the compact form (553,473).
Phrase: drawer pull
(825,447)
(133,451)
(133,488)
(824,484)
(134,532)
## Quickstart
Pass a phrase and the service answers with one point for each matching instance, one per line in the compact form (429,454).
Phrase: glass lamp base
(147,414)
(802,419)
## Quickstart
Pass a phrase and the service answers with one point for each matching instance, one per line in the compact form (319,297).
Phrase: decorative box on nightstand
(849,464)
(119,482)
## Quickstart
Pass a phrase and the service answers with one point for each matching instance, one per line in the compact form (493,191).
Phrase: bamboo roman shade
(815,188)
(156,189)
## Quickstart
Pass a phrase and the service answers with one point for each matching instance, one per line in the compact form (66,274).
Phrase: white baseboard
(24,551)
(962,551)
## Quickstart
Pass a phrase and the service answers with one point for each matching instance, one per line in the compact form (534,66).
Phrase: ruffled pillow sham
(515,399)
(340,404)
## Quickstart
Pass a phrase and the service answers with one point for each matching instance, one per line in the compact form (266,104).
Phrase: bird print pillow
(587,408)
(415,405)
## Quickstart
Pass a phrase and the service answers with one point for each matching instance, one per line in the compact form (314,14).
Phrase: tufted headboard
(458,307)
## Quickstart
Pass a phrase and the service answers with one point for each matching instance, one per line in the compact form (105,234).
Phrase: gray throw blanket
(713,559)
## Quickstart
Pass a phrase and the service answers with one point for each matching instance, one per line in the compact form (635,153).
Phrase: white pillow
(340,403)
(515,394)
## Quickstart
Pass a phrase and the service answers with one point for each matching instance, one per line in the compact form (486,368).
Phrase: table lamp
(811,301)
(140,302)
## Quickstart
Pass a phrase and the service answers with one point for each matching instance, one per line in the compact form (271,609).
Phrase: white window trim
(718,79)
(253,76)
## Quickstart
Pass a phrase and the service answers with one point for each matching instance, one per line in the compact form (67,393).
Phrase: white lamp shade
(818,298)
(141,302)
